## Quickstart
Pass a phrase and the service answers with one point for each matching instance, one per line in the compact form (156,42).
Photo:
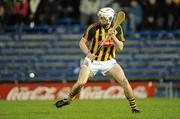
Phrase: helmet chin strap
(106,26)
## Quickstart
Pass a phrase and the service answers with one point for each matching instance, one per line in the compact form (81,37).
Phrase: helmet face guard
(107,13)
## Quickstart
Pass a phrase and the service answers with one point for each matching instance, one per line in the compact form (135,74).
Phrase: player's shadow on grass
(1,114)
(42,113)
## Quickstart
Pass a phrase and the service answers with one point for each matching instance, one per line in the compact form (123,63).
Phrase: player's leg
(118,73)
(82,80)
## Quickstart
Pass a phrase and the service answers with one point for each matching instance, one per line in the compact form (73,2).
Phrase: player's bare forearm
(118,44)
(83,46)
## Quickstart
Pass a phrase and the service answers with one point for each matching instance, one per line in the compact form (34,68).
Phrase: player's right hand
(91,56)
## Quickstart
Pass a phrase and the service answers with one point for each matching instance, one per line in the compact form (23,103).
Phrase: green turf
(158,108)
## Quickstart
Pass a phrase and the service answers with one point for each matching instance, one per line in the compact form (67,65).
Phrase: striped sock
(132,102)
(74,92)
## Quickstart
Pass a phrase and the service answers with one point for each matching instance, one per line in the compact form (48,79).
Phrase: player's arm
(83,46)
(117,43)
(88,35)
(85,50)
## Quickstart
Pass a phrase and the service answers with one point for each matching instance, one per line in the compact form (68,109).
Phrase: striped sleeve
(89,32)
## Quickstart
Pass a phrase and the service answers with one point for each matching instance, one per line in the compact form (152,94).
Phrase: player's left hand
(111,34)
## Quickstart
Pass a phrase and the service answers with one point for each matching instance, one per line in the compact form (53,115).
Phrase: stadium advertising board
(50,91)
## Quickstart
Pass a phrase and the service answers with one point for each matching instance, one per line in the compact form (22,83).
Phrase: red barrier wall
(47,91)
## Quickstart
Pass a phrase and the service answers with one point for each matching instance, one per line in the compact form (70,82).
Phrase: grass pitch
(155,108)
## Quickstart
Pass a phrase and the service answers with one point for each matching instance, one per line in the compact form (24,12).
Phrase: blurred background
(39,45)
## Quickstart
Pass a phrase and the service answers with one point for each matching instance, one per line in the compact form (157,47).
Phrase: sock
(74,92)
(132,102)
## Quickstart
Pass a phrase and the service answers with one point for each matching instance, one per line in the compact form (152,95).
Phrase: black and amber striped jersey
(94,34)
